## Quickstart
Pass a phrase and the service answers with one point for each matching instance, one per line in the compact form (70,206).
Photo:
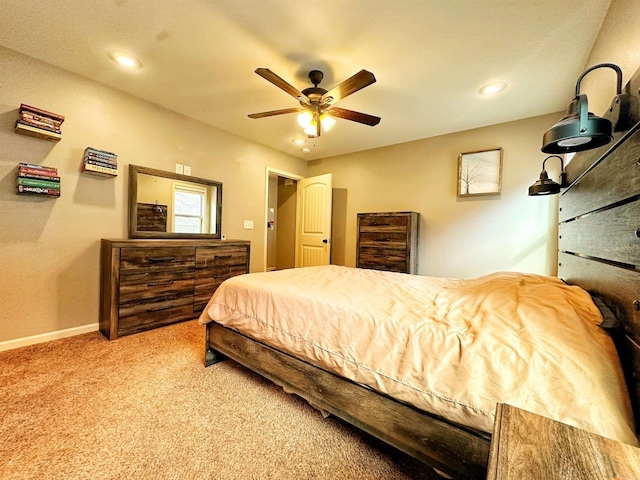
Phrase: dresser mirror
(170,205)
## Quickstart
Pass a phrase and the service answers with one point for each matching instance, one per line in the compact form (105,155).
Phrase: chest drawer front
(383,240)
(391,223)
(155,284)
(390,259)
(220,257)
(153,259)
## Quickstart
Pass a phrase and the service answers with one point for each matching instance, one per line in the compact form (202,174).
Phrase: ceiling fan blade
(282,84)
(353,116)
(351,85)
(275,112)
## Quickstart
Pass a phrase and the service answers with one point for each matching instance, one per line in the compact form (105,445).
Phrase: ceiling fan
(316,103)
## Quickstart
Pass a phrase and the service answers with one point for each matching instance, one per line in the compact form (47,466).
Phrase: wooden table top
(528,446)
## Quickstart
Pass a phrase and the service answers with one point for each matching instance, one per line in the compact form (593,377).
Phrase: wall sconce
(545,186)
(580,129)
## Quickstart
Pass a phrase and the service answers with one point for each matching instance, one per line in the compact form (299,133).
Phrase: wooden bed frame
(599,250)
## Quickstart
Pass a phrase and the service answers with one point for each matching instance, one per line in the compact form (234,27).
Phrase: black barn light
(546,186)
(580,129)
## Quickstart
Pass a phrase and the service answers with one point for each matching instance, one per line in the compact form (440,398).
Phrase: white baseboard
(46,337)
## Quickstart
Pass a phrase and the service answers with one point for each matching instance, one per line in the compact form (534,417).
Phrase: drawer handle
(381,256)
(160,284)
(159,309)
(381,239)
(376,224)
(161,259)
(223,257)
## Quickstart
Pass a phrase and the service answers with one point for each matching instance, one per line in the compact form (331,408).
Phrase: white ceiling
(430,58)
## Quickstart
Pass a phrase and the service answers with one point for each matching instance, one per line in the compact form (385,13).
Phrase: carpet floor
(144,407)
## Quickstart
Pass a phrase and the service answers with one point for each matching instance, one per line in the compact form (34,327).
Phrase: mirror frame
(134,170)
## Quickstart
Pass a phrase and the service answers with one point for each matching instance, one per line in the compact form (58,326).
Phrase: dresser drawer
(209,279)
(220,257)
(155,284)
(391,259)
(153,259)
(383,240)
(384,224)
(139,316)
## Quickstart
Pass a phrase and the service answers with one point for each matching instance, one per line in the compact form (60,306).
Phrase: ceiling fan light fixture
(305,119)
(327,122)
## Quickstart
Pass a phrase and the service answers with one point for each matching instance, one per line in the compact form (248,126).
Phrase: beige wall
(459,237)
(49,248)
(618,42)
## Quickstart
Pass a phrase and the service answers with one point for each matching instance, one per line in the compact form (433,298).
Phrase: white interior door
(313,225)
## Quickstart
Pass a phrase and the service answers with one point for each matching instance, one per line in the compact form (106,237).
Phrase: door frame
(280,173)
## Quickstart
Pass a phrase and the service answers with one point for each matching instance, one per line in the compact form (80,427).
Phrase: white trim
(279,173)
(46,337)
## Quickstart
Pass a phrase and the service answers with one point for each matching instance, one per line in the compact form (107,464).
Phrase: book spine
(30,182)
(35,166)
(101,163)
(88,167)
(96,151)
(39,111)
(37,176)
(101,158)
(53,192)
(43,125)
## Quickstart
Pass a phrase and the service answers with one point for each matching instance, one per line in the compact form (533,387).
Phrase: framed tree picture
(480,173)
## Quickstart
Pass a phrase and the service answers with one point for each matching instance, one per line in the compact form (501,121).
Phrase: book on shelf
(30,173)
(26,129)
(33,117)
(52,192)
(44,126)
(41,112)
(41,168)
(100,153)
(101,163)
(101,158)
(90,168)
(33,182)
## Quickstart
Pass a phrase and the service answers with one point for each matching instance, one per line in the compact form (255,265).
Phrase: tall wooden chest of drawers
(388,241)
(146,284)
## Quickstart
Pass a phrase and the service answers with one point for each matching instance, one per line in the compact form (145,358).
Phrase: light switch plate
(248,224)
(187,170)
(179,168)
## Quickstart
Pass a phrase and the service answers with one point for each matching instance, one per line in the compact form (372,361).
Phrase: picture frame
(480,173)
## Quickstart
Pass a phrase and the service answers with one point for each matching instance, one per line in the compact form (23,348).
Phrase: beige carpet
(144,407)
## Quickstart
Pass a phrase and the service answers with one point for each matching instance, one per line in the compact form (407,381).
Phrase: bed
(592,310)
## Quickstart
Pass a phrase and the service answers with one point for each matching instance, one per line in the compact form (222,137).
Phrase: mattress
(450,347)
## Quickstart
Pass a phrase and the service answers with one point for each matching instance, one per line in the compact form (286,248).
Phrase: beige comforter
(447,346)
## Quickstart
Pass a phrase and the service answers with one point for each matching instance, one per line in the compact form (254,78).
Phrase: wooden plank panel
(620,288)
(433,441)
(611,181)
(612,234)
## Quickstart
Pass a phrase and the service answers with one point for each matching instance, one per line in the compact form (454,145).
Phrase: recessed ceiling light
(493,88)
(306,150)
(125,60)
(298,141)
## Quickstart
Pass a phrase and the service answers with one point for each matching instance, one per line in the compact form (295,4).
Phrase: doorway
(280,242)
(298,220)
